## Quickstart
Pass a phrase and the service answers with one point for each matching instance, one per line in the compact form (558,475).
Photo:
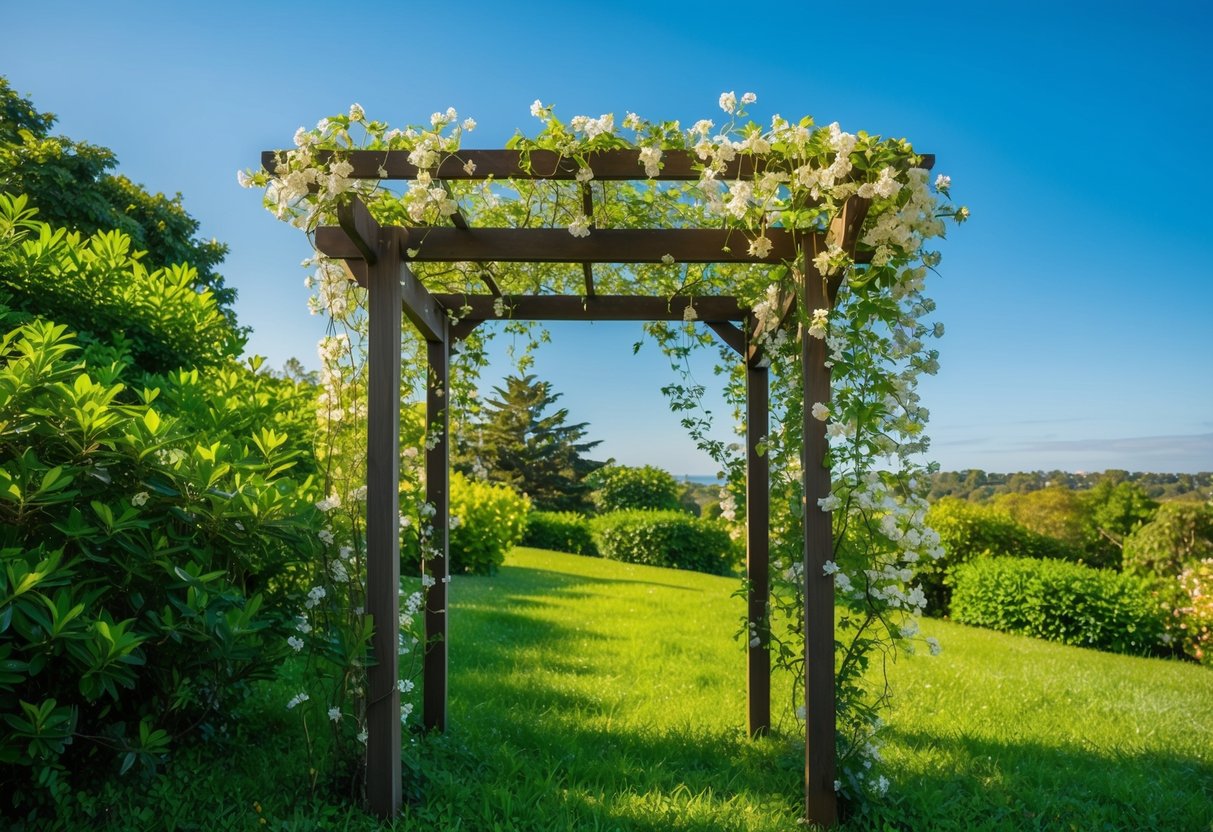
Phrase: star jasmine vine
(877,331)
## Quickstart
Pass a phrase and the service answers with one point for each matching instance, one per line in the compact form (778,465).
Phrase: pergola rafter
(378,257)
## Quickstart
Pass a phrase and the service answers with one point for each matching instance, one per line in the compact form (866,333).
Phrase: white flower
(537,108)
(667,259)
(244,179)
(748,98)
(404,685)
(139,499)
(329,503)
(689,314)
(580,226)
(584,174)
(428,581)
(933,645)
(325,536)
(362,735)
(335,714)
(760,247)
(829,568)
(942,183)
(297,699)
(650,157)
(728,101)
(295,642)
(820,412)
(469,167)
(356,112)
(829,503)
(302,625)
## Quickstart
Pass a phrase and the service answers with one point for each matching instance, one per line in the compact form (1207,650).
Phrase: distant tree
(1180,534)
(72,185)
(516,443)
(1055,511)
(1115,510)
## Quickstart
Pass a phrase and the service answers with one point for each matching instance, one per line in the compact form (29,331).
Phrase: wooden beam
(383,532)
(758,551)
(422,309)
(820,800)
(435,560)
(730,334)
(587,208)
(360,229)
(608,165)
(597,308)
(557,245)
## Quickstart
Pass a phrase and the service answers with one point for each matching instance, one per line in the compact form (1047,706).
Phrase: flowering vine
(876,330)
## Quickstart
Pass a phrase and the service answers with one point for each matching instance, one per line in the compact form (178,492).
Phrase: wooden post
(383,530)
(435,560)
(819,753)
(758,547)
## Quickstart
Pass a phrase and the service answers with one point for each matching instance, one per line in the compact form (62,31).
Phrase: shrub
(139,562)
(621,487)
(968,531)
(1193,616)
(155,318)
(1179,534)
(560,531)
(665,538)
(491,521)
(1065,602)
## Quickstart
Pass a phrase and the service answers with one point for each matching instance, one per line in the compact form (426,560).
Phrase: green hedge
(491,521)
(1058,601)
(968,531)
(665,538)
(560,531)
(622,487)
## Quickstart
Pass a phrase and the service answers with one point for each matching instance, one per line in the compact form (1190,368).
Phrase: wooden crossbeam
(556,245)
(607,165)
(597,308)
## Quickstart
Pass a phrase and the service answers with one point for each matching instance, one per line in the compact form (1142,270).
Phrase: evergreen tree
(539,455)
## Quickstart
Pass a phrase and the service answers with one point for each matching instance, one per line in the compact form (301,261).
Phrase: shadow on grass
(974,783)
(572,755)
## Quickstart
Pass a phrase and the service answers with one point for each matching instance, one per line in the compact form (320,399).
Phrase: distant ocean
(702,479)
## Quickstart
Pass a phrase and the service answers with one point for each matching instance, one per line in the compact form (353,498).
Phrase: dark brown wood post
(819,753)
(383,529)
(758,545)
(435,562)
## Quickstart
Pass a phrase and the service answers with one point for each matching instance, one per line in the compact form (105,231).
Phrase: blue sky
(1078,301)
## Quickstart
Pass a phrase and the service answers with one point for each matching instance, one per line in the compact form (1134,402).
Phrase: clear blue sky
(1078,300)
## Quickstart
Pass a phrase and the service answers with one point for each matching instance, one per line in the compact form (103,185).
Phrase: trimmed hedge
(968,531)
(492,519)
(664,538)
(622,487)
(1058,601)
(560,531)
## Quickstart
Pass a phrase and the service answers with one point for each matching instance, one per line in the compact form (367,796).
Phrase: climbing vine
(877,332)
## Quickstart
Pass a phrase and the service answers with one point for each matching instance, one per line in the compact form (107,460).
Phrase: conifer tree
(517,443)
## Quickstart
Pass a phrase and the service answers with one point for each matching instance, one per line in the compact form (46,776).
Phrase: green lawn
(592,695)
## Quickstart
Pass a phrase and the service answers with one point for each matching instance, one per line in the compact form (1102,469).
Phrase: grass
(593,695)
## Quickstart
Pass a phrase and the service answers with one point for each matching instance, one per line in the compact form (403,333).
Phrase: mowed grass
(593,695)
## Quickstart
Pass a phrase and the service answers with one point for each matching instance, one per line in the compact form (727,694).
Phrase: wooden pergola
(378,257)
